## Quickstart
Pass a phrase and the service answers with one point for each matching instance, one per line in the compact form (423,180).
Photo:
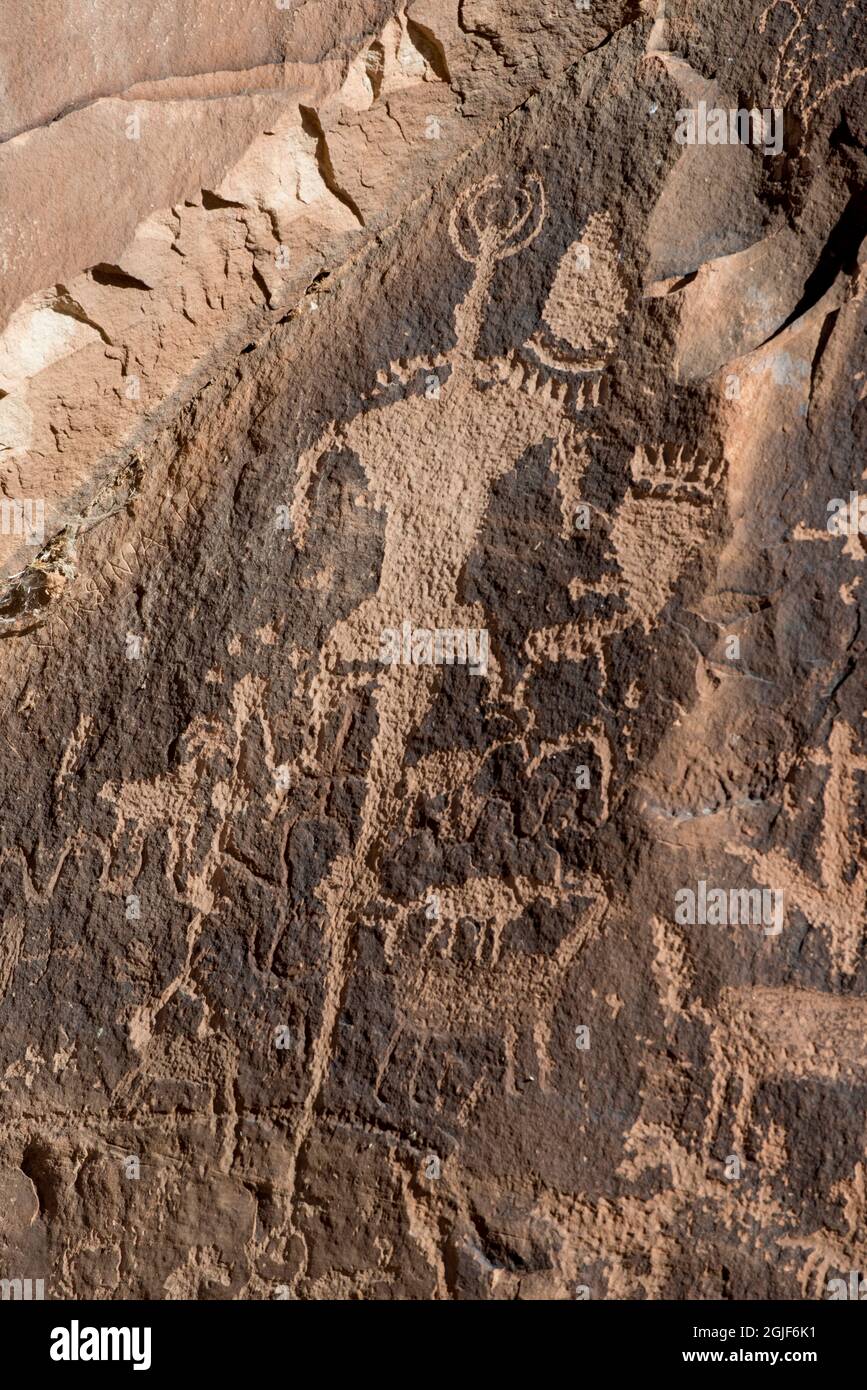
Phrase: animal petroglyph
(763,1033)
(760,1032)
(839,900)
(512,995)
(425,441)
(807,70)
(195,802)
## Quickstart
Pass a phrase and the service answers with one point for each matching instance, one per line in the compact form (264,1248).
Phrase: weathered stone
(432,458)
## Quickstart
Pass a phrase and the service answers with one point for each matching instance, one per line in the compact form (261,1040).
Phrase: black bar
(283,1337)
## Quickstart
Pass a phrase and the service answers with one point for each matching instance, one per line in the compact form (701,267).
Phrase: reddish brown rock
(434,762)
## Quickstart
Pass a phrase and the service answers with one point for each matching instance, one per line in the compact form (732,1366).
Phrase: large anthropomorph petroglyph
(436,458)
(431,458)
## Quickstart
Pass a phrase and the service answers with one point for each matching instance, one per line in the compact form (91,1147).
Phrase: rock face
(434,771)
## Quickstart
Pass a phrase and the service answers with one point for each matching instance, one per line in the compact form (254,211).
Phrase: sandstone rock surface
(423,589)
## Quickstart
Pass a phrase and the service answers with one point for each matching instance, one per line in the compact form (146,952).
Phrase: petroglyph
(513,995)
(807,71)
(430,465)
(762,1033)
(838,902)
(324,973)
(674,471)
(759,1033)
(587,303)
